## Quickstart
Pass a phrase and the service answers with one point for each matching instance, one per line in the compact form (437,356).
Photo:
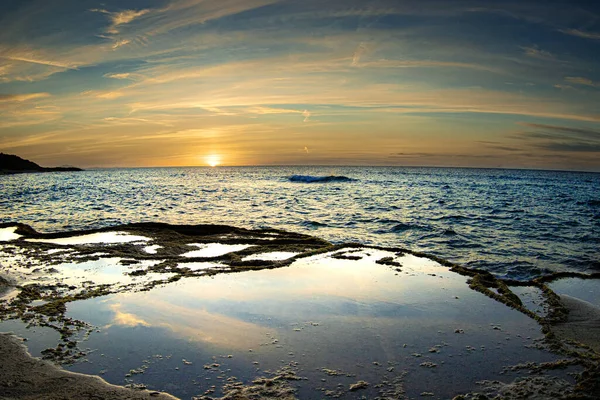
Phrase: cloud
(563,87)
(498,146)
(22,97)
(125,17)
(31,58)
(271,110)
(581,81)
(306,115)
(442,156)
(428,63)
(535,52)
(181,13)
(120,42)
(360,50)
(110,95)
(577,147)
(558,130)
(561,138)
(581,34)
(120,18)
(28,63)
(17,116)
(125,75)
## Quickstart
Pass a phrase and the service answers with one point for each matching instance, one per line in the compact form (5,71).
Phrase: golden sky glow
(282,82)
(213,160)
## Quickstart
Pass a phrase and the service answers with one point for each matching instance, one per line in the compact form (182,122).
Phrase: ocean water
(515,223)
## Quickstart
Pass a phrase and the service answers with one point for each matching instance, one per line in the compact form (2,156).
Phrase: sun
(213,160)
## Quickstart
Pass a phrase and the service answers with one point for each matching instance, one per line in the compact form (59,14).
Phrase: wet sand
(582,324)
(28,378)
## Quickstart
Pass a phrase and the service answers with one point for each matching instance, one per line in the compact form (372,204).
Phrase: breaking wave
(320,179)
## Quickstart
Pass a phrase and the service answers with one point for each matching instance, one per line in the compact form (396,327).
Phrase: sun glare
(213,160)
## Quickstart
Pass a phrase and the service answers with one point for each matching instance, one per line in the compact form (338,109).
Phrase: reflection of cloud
(192,323)
(127,319)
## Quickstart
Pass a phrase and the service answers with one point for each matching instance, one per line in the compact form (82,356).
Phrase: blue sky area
(265,82)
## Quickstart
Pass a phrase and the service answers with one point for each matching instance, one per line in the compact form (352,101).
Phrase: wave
(591,202)
(402,227)
(320,179)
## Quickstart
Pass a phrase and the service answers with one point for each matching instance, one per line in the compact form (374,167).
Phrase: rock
(358,385)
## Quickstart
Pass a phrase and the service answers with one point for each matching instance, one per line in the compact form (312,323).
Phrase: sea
(517,224)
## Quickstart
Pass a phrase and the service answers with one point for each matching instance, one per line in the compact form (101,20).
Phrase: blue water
(514,223)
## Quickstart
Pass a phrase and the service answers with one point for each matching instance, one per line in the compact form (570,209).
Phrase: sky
(139,83)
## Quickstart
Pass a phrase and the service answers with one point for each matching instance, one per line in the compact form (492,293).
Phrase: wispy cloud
(560,131)
(578,80)
(120,42)
(358,53)
(538,53)
(561,138)
(181,13)
(428,64)
(31,58)
(22,97)
(582,34)
(125,75)
(251,76)
(120,18)
(306,115)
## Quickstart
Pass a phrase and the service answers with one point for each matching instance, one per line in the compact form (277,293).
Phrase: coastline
(28,378)
(563,322)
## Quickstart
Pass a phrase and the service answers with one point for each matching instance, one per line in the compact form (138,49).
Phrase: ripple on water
(510,214)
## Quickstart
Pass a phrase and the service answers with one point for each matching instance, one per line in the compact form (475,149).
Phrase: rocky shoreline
(36,291)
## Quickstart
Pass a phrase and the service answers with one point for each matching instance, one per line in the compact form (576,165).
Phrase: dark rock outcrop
(11,164)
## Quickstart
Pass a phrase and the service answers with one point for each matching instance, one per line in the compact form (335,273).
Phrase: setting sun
(213,160)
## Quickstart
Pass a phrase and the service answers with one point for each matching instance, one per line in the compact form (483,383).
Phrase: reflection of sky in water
(7,234)
(214,249)
(584,289)
(105,271)
(321,312)
(272,256)
(198,266)
(152,249)
(95,238)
